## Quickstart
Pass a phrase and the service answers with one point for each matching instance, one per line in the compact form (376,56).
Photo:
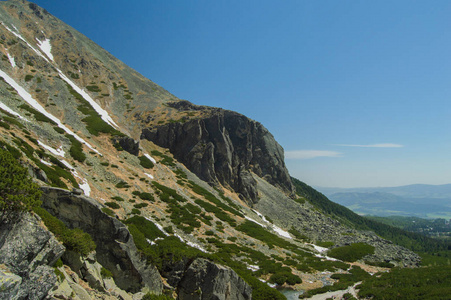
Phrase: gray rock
(206,280)
(225,148)
(28,250)
(128,144)
(115,250)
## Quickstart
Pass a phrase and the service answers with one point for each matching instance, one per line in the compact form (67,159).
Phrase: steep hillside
(150,193)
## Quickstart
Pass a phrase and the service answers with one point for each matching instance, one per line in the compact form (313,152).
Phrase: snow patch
(20,37)
(6,108)
(252,220)
(194,245)
(11,60)
(46,162)
(103,113)
(319,248)
(148,175)
(281,232)
(150,157)
(35,104)
(68,165)
(59,152)
(46,47)
(85,187)
(253,268)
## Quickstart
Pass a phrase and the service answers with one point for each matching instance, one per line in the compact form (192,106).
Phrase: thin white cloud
(309,154)
(386,145)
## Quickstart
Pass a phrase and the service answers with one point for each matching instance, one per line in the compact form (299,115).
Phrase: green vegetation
(105,273)
(94,122)
(113,205)
(345,280)
(166,160)
(418,283)
(351,252)
(145,162)
(93,88)
(18,193)
(410,240)
(117,198)
(28,77)
(37,115)
(122,185)
(108,211)
(150,296)
(73,239)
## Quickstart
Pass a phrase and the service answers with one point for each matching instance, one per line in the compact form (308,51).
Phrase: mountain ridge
(81,121)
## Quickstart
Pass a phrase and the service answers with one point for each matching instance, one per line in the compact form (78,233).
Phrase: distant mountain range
(420,200)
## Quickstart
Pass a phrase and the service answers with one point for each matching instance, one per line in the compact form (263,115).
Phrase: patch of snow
(20,37)
(194,245)
(260,215)
(253,268)
(68,165)
(319,248)
(277,229)
(6,108)
(46,47)
(103,113)
(85,187)
(250,219)
(46,162)
(11,60)
(59,152)
(281,232)
(150,157)
(148,175)
(180,238)
(326,257)
(35,104)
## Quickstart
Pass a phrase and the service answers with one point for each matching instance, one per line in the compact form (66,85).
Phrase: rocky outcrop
(27,250)
(224,147)
(206,280)
(115,250)
(127,143)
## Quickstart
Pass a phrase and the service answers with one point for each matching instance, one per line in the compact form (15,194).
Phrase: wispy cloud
(386,145)
(309,154)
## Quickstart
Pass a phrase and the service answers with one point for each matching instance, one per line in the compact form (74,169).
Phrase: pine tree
(18,193)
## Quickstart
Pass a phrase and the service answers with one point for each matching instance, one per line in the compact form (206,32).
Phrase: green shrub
(108,211)
(105,273)
(117,198)
(122,185)
(28,77)
(113,205)
(18,193)
(136,211)
(76,149)
(351,252)
(37,115)
(73,239)
(145,162)
(140,205)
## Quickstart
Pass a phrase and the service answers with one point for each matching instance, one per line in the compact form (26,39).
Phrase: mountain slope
(202,190)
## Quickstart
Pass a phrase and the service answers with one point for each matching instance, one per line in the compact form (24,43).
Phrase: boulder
(28,250)
(115,249)
(206,280)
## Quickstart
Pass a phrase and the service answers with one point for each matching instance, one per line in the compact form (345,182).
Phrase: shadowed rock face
(225,148)
(206,280)
(27,250)
(115,250)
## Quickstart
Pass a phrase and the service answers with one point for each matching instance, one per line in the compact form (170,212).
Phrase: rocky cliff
(28,250)
(224,147)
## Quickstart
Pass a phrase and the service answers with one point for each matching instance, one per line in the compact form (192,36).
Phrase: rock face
(27,250)
(224,147)
(206,280)
(128,144)
(115,250)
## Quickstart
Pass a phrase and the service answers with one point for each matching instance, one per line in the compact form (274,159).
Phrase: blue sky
(356,92)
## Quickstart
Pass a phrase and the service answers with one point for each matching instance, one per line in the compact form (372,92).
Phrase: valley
(113,188)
